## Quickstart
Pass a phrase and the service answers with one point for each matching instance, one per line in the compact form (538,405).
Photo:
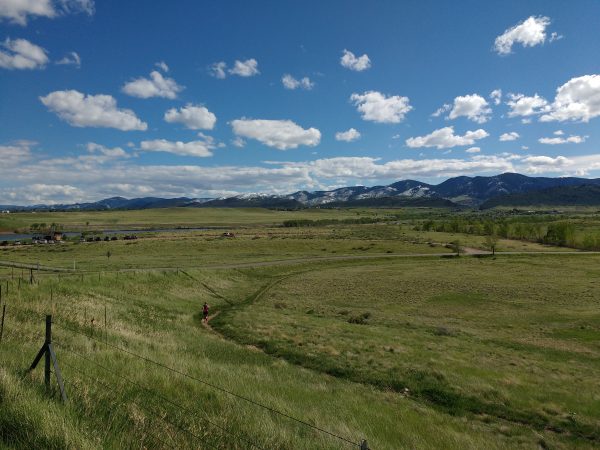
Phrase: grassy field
(408,352)
(156,316)
(427,327)
(187,217)
(195,249)
(251,244)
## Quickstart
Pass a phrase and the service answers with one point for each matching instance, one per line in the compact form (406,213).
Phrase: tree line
(562,233)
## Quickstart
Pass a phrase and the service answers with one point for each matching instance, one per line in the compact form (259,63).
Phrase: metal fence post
(2,324)
(47,355)
(47,351)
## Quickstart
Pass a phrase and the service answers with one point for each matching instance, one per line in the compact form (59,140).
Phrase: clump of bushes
(361,319)
(443,331)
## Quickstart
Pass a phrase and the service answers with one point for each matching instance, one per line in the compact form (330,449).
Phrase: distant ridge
(583,195)
(457,191)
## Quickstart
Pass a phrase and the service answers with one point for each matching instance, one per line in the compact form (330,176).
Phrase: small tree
(108,254)
(456,247)
(491,241)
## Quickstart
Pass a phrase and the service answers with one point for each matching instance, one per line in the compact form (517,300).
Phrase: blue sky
(203,99)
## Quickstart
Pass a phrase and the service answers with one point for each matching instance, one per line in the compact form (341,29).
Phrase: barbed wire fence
(194,418)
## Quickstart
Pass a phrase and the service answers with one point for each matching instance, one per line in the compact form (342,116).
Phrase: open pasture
(369,331)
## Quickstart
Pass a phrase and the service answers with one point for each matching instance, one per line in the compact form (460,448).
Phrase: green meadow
(181,217)
(319,336)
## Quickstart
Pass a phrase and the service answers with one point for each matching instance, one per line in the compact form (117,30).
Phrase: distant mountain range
(583,195)
(505,189)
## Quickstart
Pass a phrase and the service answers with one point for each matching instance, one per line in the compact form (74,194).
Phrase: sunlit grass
(490,349)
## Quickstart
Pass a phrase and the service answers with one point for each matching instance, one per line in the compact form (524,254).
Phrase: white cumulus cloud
(496,96)
(70,59)
(523,106)
(441,110)
(162,66)
(289,82)
(474,107)
(352,62)
(217,69)
(238,142)
(376,107)
(155,86)
(348,136)
(97,154)
(81,110)
(200,148)
(281,134)
(555,36)
(247,68)
(19,11)
(544,164)
(529,33)
(193,117)
(576,100)
(15,154)
(22,54)
(473,150)
(445,138)
(511,136)
(116,152)
(573,139)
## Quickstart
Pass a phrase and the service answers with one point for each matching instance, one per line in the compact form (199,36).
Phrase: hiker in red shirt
(205,311)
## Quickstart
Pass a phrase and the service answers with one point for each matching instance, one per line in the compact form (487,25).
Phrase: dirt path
(379,256)
(207,323)
(474,251)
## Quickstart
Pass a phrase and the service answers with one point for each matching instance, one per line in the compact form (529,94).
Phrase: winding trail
(293,261)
